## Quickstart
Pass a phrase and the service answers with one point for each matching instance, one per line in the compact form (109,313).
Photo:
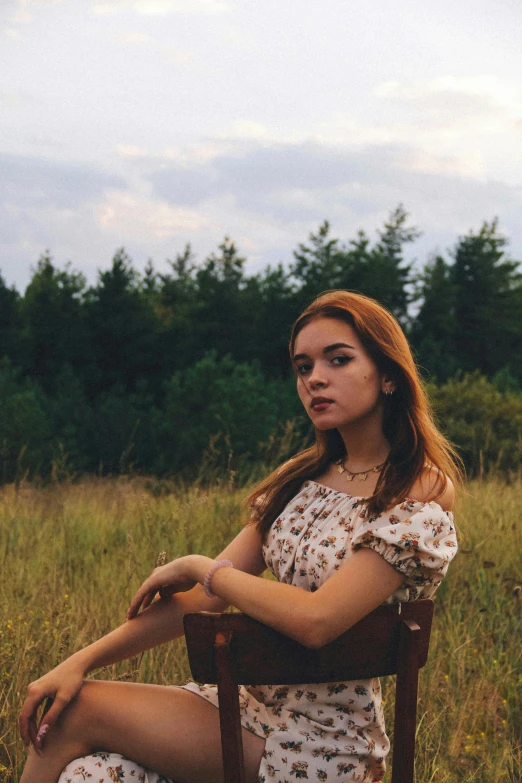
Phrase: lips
(320,403)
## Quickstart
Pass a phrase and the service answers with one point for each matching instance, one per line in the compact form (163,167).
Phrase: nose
(317,379)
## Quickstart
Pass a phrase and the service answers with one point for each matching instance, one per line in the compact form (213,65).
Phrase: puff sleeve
(418,539)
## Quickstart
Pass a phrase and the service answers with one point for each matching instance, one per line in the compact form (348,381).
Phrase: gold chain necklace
(362,473)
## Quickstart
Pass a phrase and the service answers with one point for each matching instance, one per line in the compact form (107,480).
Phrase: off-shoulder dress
(336,731)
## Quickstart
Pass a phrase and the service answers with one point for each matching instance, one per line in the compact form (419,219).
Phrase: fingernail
(42,732)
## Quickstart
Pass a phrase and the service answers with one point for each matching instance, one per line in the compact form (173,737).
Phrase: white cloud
(249,129)
(10,32)
(497,89)
(175,55)
(463,126)
(10,99)
(196,154)
(138,39)
(459,104)
(28,3)
(428,162)
(131,151)
(171,53)
(286,190)
(451,121)
(161,7)
(242,131)
(21,16)
(138,218)
(186,157)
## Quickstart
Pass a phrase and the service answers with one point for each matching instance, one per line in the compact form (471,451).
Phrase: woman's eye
(303,368)
(340,360)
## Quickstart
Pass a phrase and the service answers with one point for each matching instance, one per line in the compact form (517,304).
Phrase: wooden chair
(233,649)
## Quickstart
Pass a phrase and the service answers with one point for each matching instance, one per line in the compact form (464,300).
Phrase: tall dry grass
(73,554)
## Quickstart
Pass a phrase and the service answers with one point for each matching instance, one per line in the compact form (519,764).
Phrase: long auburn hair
(407,422)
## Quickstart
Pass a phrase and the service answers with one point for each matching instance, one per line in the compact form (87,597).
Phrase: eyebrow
(328,349)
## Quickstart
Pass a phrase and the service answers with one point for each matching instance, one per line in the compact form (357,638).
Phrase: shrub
(24,426)
(484,422)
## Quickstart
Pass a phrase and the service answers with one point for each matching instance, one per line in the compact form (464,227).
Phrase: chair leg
(406,704)
(230,723)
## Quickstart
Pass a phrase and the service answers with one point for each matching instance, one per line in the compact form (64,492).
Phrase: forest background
(187,373)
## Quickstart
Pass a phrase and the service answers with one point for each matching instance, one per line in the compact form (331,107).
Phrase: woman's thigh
(169,730)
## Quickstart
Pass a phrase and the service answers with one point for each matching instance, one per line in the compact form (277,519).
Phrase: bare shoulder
(429,486)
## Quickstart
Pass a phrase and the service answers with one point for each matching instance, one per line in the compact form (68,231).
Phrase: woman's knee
(81,714)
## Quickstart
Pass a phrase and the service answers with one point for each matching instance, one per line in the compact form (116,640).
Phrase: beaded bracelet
(210,573)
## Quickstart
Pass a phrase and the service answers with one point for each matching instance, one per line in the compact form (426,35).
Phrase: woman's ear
(387,386)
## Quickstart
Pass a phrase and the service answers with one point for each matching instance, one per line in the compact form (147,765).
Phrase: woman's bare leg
(170,730)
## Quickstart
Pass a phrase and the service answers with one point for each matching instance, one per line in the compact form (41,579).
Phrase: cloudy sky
(152,123)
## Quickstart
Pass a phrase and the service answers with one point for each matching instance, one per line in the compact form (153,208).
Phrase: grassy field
(73,554)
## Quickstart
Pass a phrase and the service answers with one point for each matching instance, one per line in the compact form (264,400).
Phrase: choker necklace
(362,473)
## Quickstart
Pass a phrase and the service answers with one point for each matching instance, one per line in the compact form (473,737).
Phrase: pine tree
(220,284)
(433,331)
(488,298)
(123,328)
(378,271)
(53,329)
(9,321)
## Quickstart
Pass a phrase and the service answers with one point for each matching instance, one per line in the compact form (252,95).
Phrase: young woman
(361,518)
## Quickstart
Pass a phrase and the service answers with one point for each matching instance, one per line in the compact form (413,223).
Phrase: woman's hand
(177,576)
(58,688)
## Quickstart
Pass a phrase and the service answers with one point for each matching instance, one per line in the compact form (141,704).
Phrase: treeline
(187,371)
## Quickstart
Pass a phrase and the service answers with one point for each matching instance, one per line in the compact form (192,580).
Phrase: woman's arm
(364,582)
(313,619)
(163,620)
(159,623)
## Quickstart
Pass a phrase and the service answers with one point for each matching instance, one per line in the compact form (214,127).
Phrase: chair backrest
(233,649)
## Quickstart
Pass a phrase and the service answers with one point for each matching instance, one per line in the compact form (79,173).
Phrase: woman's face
(337,380)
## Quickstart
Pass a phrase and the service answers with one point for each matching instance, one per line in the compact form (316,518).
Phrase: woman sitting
(361,518)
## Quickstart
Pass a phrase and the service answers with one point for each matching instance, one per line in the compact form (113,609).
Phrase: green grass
(72,555)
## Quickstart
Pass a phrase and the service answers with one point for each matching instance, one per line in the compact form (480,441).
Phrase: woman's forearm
(284,607)
(311,618)
(160,623)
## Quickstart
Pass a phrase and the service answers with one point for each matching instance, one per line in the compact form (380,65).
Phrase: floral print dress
(108,768)
(334,731)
